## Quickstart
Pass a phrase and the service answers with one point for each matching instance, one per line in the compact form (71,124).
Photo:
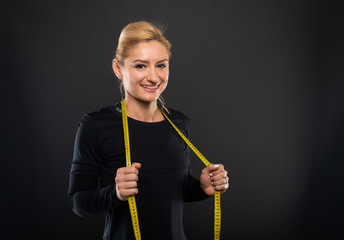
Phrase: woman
(160,176)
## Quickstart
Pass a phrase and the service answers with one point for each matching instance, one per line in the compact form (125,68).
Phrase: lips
(151,87)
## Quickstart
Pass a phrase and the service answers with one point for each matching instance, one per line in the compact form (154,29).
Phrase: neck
(143,111)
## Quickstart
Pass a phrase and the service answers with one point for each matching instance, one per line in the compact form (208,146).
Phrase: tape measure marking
(217,201)
(131,199)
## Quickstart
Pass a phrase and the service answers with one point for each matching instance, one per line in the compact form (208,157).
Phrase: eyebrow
(139,60)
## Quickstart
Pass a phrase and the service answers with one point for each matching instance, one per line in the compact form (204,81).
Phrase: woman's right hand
(126,181)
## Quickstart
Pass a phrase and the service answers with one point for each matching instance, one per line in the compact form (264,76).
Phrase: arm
(93,201)
(213,177)
(85,196)
(193,190)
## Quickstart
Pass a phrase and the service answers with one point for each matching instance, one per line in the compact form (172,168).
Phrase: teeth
(151,87)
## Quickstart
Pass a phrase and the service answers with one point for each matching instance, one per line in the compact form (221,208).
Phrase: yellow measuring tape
(131,199)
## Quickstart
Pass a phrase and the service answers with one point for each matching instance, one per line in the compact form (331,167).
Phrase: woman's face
(145,71)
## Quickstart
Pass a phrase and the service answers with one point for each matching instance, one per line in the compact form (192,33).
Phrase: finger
(128,192)
(127,170)
(219,175)
(222,187)
(126,178)
(136,165)
(129,177)
(214,167)
(217,170)
(220,181)
(211,168)
(126,185)
(121,178)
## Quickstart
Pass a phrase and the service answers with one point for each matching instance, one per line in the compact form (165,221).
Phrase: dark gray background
(262,82)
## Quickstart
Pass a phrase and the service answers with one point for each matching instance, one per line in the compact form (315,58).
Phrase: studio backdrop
(261,81)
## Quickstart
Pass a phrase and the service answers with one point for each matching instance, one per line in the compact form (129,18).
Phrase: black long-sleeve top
(165,181)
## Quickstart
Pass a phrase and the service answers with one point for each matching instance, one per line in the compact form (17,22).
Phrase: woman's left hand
(214,177)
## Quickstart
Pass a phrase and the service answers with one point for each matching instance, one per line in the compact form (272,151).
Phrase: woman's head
(142,61)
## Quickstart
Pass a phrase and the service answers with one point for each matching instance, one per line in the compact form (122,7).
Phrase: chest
(156,147)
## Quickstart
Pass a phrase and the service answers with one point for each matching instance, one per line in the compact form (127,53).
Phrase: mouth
(151,87)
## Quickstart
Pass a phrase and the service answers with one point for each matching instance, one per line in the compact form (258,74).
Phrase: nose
(153,75)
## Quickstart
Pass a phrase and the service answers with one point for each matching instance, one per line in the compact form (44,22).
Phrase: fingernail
(212,183)
(216,165)
(210,174)
(211,178)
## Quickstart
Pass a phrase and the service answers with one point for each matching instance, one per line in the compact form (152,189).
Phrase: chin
(148,99)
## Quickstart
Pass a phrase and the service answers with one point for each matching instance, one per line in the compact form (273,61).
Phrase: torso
(162,178)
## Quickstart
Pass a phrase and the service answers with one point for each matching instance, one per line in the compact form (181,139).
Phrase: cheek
(165,81)
(136,77)
(131,78)
(164,75)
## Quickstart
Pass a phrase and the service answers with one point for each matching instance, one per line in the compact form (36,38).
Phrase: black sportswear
(164,181)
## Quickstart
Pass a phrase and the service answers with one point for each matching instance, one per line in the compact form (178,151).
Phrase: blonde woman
(160,176)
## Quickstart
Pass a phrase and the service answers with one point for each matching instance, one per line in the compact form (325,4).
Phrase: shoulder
(102,113)
(94,127)
(175,114)
(178,118)
(101,118)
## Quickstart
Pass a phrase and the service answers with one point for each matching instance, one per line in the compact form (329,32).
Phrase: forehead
(150,50)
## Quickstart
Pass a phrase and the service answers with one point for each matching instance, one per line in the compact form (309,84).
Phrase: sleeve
(85,197)
(193,190)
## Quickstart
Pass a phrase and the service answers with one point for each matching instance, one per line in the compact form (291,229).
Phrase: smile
(150,87)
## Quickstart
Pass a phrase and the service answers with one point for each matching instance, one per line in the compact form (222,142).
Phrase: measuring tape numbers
(131,199)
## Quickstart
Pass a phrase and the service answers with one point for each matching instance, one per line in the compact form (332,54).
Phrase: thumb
(137,165)
(208,169)
(213,167)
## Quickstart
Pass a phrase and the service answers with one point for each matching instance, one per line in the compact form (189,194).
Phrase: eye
(161,65)
(139,66)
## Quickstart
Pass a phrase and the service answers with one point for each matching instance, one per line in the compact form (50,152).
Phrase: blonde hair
(135,33)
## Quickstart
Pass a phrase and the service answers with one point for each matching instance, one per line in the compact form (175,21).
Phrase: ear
(117,68)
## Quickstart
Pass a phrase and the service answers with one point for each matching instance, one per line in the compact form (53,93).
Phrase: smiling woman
(144,74)
(160,178)
(137,33)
